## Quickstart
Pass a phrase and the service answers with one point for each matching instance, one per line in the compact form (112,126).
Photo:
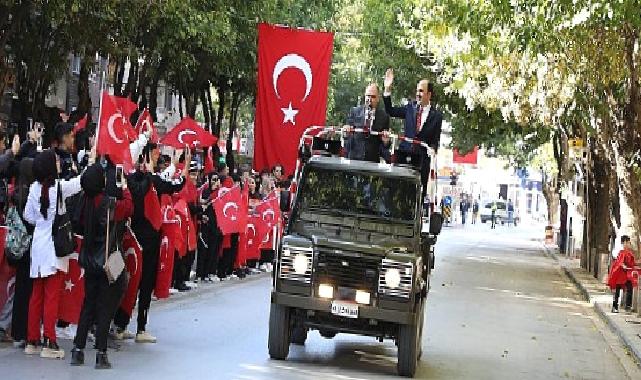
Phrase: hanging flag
(72,293)
(293,75)
(228,207)
(7,272)
(80,125)
(145,122)
(152,208)
(188,132)
(470,158)
(113,139)
(133,265)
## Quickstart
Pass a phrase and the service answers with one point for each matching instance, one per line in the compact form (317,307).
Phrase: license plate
(344,309)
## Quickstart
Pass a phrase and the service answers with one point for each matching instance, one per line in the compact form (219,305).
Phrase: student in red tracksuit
(46,269)
(621,275)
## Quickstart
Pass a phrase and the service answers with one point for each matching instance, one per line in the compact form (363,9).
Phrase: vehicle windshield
(359,193)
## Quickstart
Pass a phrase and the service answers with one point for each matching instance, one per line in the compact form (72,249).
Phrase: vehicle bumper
(364,311)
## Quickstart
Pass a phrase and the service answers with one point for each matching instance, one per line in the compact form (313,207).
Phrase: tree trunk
(120,77)
(84,99)
(180,104)
(203,101)
(599,205)
(221,88)
(212,112)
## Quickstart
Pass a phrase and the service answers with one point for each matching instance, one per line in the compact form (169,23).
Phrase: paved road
(498,309)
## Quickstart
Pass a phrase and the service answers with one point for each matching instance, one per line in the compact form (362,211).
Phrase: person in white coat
(46,268)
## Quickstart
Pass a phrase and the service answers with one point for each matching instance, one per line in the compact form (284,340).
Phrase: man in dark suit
(363,146)
(422,121)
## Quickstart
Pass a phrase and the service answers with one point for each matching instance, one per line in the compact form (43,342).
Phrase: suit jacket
(366,147)
(431,130)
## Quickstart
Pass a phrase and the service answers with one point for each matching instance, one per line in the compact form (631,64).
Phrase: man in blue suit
(422,121)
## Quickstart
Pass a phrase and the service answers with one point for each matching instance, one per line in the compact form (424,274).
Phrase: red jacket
(619,275)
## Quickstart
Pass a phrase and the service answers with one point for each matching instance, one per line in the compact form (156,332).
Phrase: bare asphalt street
(499,309)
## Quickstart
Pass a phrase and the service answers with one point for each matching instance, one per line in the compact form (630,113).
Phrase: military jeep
(354,257)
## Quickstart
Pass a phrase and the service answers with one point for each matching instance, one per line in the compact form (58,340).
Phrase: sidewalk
(627,326)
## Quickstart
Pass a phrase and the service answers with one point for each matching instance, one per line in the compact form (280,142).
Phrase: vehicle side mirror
(436,223)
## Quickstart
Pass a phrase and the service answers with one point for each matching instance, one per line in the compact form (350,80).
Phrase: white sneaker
(191,284)
(52,351)
(173,291)
(232,277)
(145,337)
(263,267)
(125,334)
(270,268)
(214,279)
(32,349)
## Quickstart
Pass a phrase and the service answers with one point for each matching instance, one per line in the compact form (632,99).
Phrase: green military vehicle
(355,257)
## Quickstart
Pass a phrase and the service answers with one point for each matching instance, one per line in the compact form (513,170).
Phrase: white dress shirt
(425,111)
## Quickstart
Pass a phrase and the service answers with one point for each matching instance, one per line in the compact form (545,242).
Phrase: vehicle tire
(483,220)
(327,334)
(299,335)
(408,348)
(279,332)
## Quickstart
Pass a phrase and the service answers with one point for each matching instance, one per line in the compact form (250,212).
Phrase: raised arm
(398,112)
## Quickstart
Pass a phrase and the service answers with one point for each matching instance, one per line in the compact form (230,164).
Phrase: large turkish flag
(293,73)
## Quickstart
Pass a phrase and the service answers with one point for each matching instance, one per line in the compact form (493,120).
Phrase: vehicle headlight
(301,264)
(295,263)
(392,278)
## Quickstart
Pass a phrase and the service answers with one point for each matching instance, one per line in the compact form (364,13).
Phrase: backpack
(18,239)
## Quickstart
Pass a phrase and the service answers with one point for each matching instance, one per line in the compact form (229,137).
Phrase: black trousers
(207,260)
(150,243)
(628,295)
(21,297)
(182,267)
(226,266)
(99,306)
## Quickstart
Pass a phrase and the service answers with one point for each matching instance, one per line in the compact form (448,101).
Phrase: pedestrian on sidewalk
(465,206)
(494,208)
(621,275)
(475,211)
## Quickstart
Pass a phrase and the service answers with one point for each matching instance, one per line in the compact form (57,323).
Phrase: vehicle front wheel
(409,345)
(279,332)
(327,334)
(299,335)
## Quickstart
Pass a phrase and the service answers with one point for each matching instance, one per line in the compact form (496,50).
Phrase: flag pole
(102,89)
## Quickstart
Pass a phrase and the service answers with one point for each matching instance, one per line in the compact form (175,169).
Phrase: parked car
(501,211)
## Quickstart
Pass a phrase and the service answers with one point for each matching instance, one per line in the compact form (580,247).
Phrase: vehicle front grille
(346,269)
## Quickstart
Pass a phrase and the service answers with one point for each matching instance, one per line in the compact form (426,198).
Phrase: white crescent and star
(69,285)
(183,133)
(110,127)
(227,206)
(294,61)
(268,212)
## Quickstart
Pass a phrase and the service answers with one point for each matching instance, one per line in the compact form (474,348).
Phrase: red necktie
(419,125)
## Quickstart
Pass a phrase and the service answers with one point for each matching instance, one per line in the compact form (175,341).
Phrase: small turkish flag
(187,226)
(293,76)
(188,132)
(145,122)
(73,290)
(113,139)
(228,207)
(152,208)
(269,210)
(209,162)
(133,264)
(252,240)
(80,125)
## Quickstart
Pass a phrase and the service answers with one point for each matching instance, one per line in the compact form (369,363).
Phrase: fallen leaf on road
(533,338)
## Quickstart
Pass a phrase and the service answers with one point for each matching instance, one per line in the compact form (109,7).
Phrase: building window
(75,65)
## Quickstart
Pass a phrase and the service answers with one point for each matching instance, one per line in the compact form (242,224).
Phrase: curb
(636,353)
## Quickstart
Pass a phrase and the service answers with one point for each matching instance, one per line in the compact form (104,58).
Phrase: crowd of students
(162,214)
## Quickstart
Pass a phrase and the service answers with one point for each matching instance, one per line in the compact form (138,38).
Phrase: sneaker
(32,348)
(77,357)
(263,267)
(19,344)
(615,309)
(51,350)
(124,334)
(102,361)
(191,284)
(183,287)
(145,337)
(232,277)
(173,290)
(270,268)
(215,279)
